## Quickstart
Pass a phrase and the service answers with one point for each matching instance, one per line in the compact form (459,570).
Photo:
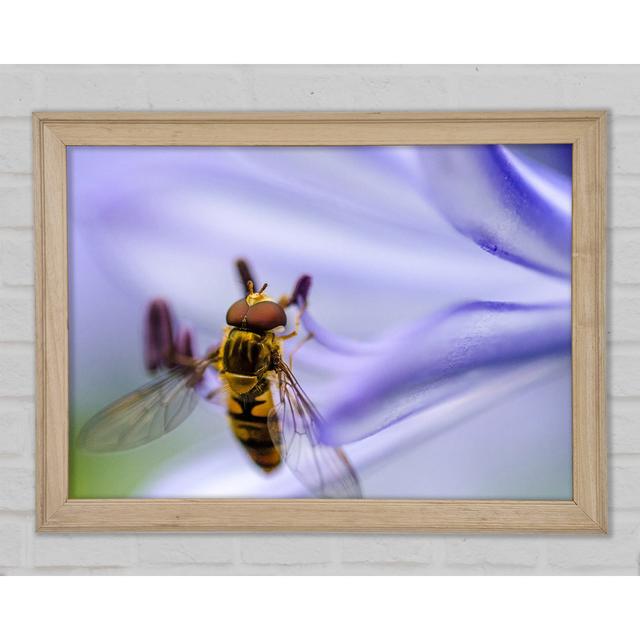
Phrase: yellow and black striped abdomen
(248,419)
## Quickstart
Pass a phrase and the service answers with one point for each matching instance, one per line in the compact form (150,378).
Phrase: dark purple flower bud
(184,343)
(244,271)
(301,291)
(158,336)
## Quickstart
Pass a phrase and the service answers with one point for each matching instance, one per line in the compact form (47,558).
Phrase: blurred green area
(107,475)
(127,474)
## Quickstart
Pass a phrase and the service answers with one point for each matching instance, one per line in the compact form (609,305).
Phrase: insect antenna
(245,273)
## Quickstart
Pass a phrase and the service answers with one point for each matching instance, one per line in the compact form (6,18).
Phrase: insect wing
(293,426)
(143,415)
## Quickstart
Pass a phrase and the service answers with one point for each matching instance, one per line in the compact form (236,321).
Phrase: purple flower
(398,375)
(441,289)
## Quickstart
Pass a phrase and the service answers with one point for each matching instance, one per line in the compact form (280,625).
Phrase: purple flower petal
(333,341)
(406,375)
(510,206)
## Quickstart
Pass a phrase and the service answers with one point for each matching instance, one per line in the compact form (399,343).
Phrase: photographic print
(381,322)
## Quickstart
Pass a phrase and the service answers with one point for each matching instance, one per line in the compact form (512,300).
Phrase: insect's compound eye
(262,316)
(237,313)
(265,316)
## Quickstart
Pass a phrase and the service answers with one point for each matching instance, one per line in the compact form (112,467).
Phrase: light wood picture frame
(585,130)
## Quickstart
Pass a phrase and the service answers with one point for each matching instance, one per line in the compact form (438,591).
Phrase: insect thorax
(247,353)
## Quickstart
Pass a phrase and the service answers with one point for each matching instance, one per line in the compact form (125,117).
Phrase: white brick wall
(15,144)
(195,549)
(24,89)
(83,550)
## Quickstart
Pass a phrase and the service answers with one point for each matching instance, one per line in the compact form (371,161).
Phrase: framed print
(321,322)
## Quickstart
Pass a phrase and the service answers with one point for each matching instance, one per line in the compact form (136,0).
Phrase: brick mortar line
(25,288)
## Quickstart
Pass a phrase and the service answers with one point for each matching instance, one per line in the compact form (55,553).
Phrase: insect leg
(211,358)
(300,344)
(213,354)
(212,394)
(297,322)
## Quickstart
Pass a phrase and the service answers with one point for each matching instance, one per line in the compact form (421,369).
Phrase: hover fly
(250,365)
